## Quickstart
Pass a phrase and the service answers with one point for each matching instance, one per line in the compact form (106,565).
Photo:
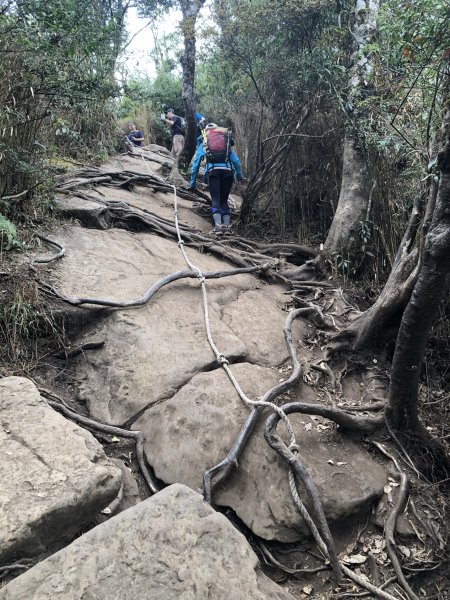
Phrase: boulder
(87,212)
(154,163)
(55,476)
(172,546)
(193,431)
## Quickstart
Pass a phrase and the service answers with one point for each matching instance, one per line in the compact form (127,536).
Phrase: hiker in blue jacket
(219,176)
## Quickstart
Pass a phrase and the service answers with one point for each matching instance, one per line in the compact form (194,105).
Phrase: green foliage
(8,235)
(350,262)
(25,319)
(145,98)
(57,70)
(271,69)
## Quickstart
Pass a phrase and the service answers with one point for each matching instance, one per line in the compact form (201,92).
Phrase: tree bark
(353,200)
(190,10)
(355,186)
(431,287)
(367,329)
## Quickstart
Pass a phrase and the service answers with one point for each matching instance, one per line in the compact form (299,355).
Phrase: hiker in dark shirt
(135,136)
(177,131)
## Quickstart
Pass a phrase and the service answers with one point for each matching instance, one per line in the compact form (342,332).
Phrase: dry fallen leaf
(387,489)
(308,426)
(321,427)
(307,589)
(355,559)
(330,462)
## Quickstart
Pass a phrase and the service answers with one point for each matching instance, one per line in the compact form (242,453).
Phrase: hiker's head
(170,113)
(132,126)
(211,126)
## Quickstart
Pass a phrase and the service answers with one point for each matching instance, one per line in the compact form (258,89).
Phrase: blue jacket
(233,164)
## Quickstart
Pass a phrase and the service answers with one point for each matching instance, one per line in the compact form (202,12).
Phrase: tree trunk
(431,287)
(190,10)
(353,200)
(367,329)
(355,185)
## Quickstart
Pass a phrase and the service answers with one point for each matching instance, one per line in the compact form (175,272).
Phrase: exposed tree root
(57,256)
(66,353)
(152,290)
(271,561)
(111,430)
(291,457)
(14,567)
(391,521)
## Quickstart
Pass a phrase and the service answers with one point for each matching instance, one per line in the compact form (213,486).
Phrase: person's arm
(234,158)
(170,122)
(196,166)
(139,136)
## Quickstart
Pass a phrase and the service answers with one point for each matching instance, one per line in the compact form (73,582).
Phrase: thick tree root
(391,521)
(291,457)
(153,289)
(67,353)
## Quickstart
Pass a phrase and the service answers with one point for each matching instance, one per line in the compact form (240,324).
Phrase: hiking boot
(227,230)
(218,229)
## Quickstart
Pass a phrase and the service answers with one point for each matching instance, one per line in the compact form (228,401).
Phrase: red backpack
(217,147)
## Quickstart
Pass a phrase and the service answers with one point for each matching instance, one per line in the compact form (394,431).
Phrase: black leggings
(220,183)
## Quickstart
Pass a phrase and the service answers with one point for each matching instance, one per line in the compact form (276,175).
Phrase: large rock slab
(257,316)
(154,162)
(172,546)
(88,212)
(54,475)
(151,352)
(191,432)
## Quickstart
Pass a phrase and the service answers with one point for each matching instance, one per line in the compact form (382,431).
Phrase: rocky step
(172,546)
(54,475)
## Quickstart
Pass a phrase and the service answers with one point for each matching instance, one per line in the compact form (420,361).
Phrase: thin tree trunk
(353,200)
(190,10)
(355,185)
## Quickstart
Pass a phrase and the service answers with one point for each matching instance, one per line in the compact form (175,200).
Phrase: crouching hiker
(221,164)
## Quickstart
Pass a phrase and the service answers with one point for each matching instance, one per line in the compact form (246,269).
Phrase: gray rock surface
(194,430)
(151,352)
(130,490)
(156,368)
(172,546)
(54,475)
(88,213)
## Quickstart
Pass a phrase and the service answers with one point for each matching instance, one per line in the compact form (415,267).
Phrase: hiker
(135,136)
(178,131)
(221,164)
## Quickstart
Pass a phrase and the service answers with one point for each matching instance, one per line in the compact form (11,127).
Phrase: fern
(8,234)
